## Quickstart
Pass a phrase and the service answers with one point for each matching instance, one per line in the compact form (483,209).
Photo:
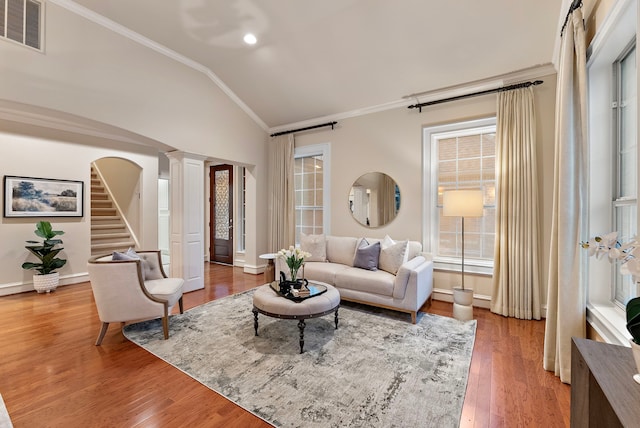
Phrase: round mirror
(374,199)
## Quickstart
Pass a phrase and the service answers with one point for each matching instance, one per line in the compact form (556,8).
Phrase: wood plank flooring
(52,374)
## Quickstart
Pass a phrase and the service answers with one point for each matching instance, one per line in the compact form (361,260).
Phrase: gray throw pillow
(130,255)
(367,255)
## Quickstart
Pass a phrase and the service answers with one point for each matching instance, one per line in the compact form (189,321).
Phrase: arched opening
(116,221)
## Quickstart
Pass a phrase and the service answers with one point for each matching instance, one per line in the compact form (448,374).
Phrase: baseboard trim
(479,300)
(24,287)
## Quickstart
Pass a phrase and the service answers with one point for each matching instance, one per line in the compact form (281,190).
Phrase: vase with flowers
(628,254)
(294,258)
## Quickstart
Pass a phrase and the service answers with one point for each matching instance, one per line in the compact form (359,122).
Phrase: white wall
(44,157)
(92,75)
(93,72)
(391,142)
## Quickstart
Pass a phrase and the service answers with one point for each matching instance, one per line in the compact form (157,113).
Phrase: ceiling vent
(20,21)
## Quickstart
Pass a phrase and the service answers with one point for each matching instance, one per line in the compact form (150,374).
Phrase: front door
(221,226)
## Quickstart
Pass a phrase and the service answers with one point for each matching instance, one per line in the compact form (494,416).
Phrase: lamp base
(462,304)
(462,312)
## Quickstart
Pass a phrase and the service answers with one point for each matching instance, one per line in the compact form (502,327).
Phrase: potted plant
(633,325)
(294,257)
(47,278)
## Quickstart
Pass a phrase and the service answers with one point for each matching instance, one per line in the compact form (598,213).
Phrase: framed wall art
(42,197)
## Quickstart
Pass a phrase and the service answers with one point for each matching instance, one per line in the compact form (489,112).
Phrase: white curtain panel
(566,301)
(281,193)
(516,272)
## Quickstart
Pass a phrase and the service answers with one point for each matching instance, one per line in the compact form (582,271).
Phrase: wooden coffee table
(267,301)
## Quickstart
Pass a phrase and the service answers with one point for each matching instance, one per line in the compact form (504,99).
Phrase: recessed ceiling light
(250,39)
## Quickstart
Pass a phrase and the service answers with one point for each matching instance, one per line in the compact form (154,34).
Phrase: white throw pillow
(316,245)
(392,254)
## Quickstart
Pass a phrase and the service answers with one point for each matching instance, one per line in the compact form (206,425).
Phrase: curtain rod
(475,94)
(575,5)
(304,129)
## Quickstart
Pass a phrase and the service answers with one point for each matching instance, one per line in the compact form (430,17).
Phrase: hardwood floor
(52,374)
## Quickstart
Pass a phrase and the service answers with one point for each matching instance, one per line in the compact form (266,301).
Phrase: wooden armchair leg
(181,305)
(165,326)
(103,331)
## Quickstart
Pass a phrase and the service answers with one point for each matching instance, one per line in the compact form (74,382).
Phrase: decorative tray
(314,289)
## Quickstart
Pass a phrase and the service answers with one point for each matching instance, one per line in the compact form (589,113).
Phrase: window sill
(471,267)
(609,322)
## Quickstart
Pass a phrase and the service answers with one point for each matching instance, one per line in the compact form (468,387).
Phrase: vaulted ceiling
(317,58)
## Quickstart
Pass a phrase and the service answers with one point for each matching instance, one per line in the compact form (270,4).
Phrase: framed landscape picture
(42,197)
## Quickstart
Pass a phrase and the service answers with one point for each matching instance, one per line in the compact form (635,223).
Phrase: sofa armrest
(414,281)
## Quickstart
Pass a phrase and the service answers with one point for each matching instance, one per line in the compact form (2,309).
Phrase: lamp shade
(462,203)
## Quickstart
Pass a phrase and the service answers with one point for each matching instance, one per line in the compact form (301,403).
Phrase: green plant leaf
(633,318)
(633,308)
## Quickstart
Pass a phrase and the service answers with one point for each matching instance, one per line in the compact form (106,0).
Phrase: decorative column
(187,218)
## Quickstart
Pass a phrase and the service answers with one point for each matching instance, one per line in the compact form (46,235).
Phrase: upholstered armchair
(132,289)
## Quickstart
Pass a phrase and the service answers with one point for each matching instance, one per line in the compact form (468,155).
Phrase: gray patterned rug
(375,370)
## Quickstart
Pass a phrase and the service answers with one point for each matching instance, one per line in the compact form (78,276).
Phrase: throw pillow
(130,255)
(367,255)
(392,254)
(316,245)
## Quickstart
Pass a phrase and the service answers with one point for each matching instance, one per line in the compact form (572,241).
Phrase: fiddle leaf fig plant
(45,250)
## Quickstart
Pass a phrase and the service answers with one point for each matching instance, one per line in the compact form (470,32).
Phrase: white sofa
(406,290)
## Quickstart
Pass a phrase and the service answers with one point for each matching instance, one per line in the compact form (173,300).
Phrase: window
(460,156)
(242,206)
(612,126)
(625,198)
(311,178)
(20,21)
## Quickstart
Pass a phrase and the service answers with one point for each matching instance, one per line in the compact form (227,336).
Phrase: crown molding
(161,49)
(420,97)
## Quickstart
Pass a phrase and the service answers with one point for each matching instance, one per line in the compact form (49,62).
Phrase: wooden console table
(603,392)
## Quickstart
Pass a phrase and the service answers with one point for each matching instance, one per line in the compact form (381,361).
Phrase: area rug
(5,421)
(376,370)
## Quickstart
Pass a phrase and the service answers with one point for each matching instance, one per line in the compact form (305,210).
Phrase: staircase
(109,232)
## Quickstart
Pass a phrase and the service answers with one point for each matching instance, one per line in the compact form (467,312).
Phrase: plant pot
(462,304)
(636,356)
(46,283)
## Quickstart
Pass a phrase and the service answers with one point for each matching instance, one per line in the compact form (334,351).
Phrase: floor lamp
(463,203)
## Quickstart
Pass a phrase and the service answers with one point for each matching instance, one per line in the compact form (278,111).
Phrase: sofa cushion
(392,254)
(324,272)
(316,245)
(376,282)
(413,250)
(367,255)
(341,249)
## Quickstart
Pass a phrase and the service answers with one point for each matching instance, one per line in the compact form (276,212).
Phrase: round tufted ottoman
(266,301)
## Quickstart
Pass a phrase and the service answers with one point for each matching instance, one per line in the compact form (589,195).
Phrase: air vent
(20,21)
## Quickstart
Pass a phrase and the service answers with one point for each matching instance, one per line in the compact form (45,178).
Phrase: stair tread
(110,235)
(126,244)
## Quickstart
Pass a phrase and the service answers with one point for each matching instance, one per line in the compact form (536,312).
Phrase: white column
(187,218)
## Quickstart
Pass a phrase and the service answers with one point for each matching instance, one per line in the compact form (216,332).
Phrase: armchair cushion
(169,289)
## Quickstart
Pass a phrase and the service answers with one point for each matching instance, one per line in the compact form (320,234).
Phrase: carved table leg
(301,326)
(255,321)
(336,316)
